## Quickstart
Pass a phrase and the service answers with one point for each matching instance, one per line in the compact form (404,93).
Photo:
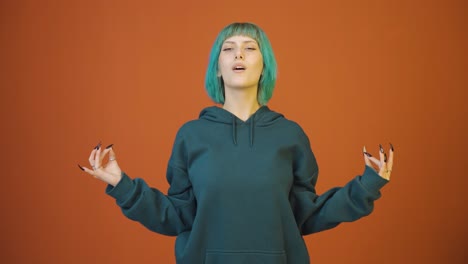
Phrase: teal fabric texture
(243,191)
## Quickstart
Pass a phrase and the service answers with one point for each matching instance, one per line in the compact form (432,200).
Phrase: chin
(241,84)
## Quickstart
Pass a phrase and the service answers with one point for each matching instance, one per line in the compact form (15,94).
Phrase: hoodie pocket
(245,257)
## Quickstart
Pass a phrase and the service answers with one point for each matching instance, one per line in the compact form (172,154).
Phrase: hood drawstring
(266,117)
(234,130)
(251,130)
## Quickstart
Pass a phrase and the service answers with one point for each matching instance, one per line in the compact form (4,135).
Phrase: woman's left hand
(384,165)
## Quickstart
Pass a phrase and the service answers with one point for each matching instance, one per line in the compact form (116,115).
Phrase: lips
(238,67)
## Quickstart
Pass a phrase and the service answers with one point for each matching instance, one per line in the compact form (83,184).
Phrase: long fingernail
(368,154)
(81,168)
(110,146)
(385,157)
(98,145)
(381,148)
(391,147)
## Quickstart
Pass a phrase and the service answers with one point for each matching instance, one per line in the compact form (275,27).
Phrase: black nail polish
(381,148)
(81,168)
(98,145)
(391,147)
(385,157)
(110,146)
(368,154)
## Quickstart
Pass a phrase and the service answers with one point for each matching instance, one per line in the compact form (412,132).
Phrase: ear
(218,74)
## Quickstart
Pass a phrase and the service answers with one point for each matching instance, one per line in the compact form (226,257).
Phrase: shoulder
(189,127)
(191,124)
(293,125)
(299,138)
(193,128)
(292,128)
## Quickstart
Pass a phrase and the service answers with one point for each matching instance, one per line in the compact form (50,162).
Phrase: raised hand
(384,165)
(110,173)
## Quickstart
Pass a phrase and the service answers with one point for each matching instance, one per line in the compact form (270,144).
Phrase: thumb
(111,154)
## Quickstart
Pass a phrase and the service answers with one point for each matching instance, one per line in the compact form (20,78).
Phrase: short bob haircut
(215,85)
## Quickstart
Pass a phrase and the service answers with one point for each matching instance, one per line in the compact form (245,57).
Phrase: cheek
(260,66)
(260,63)
(222,65)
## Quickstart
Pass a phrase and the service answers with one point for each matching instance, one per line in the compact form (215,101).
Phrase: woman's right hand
(111,173)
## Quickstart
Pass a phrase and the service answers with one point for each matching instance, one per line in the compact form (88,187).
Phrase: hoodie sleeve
(315,213)
(168,214)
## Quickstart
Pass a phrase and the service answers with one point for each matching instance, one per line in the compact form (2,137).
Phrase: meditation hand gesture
(384,165)
(110,173)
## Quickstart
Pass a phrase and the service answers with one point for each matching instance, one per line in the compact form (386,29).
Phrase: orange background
(352,73)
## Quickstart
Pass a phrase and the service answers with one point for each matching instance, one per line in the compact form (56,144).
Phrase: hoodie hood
(262,117)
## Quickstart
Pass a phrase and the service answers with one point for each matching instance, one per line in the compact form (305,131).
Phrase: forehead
(240,39)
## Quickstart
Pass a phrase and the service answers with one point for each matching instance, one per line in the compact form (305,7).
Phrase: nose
(239,54)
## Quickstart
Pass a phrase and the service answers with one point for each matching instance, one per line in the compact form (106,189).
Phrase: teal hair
(215,86)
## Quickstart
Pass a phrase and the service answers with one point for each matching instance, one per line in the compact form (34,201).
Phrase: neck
(242,103)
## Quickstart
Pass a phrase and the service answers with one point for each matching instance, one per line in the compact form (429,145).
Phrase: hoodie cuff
(122,189)
(372,181)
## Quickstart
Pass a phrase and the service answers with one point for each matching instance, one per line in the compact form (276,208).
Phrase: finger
(98,173)
(107,150)
(89,171)
(370,159)
(97,161)
(103,154)
(390,158)
(91,157)
(376,161)
(93,153)
(366,157)
(111,154)
(382,155)
(383,159)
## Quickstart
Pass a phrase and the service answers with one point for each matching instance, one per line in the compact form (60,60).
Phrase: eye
(251,48)
(227,49)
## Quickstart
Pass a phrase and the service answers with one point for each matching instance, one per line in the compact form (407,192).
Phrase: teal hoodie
(243,192)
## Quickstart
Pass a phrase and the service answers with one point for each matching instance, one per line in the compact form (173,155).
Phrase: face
(240,62)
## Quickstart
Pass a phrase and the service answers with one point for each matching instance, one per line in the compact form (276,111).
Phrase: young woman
(242,177)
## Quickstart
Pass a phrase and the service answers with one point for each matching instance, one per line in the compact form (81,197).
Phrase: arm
(168,214)
(316,213)
(165,214)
